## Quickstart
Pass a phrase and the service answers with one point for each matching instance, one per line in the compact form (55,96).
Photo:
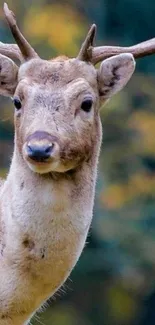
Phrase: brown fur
(46,209)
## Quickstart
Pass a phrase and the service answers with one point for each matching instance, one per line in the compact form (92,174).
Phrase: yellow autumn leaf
(144,123)
(115,196)
(121,303)
(60,26)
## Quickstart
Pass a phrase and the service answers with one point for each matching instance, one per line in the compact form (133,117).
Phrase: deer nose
(38,152)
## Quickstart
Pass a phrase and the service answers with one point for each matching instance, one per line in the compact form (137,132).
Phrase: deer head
(57,101)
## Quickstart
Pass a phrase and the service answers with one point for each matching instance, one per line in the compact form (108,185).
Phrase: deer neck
(45,223)
(34,198)
(48,219)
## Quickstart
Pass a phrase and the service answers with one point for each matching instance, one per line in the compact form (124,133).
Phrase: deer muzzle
(41,151)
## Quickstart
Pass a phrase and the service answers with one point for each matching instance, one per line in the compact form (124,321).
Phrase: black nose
(39,153)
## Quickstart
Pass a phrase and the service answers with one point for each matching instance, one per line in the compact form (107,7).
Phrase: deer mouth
(40,164)
(41,152)
(44,153)
(42,167)
(49,161)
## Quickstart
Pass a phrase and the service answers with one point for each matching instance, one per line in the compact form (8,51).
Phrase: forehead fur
(58,72)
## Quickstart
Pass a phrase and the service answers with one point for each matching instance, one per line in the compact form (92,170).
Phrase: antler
(12,51)
(85,54)
(139,50)
(24,49)
(97,54)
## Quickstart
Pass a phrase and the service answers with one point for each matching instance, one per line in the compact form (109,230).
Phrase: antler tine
(11,50)
(85,51)
(139,50)
(27,51)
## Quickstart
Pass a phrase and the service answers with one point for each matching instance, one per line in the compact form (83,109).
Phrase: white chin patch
(43,168)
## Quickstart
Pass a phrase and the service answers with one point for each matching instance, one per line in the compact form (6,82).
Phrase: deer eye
(87,105)
(17,103)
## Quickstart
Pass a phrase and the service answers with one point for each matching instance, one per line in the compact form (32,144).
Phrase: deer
(47,198)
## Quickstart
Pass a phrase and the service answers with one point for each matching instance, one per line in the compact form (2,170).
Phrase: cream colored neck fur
(44,224)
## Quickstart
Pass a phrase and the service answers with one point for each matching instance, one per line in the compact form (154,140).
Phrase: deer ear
(8,76)
(114,73)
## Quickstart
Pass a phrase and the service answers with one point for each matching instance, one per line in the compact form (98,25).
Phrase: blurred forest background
(114,281)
